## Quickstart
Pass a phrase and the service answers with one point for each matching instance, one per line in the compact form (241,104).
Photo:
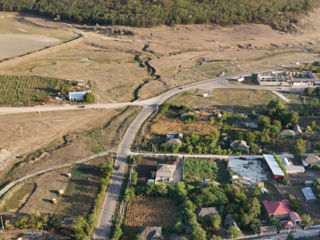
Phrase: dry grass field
(178,55)
(20,35)
(69,142)
(230,98)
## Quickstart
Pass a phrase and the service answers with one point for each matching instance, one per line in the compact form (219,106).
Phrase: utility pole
(21,133)
(2,226)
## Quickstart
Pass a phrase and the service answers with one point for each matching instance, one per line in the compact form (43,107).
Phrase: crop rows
(26,90)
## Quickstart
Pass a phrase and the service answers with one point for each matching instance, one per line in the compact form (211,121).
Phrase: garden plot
(248,171)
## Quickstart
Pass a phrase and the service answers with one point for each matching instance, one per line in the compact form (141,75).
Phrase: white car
(297,63)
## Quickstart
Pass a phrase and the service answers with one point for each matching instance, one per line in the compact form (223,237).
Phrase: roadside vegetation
(146,14)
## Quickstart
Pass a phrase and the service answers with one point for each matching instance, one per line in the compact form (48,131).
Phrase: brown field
(235,99)
(179,55)
(165,125)
(146,211)
(20,35)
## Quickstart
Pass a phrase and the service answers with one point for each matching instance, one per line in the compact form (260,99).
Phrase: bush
(89,97)
(234,232)
(306,220)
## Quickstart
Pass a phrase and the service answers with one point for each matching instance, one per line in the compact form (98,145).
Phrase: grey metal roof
(273,165)
(309,195)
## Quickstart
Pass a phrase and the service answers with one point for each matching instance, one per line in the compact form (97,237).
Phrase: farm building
(279,78)
(310,159)
(151,233)
(308,194)
(165,173)
(239,145)
(287,134)
(76,96)
(207,212)
(274,166)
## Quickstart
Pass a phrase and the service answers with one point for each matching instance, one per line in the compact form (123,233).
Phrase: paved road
(123,151)
(12,184)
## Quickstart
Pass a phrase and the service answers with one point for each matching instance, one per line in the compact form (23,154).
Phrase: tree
(308,91)
(299,147)
(306,220)
(129,194)
(161,189)
(250,137)
(138,159)
(254,148)
(234,232)
(216,221)
(198,233)
(134,178)
(295,203)
(89,97)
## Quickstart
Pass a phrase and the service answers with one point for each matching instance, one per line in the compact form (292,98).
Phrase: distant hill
(147,13)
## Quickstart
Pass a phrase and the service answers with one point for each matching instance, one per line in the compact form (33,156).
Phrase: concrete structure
(311,159)
(274,166)
(308,194)
(151,233)
(165,173)
(290,168)
(280,78)
(239,145)
(248,170)
(76,96)
(207,212)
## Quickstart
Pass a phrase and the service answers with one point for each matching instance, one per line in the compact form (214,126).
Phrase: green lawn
(196,170)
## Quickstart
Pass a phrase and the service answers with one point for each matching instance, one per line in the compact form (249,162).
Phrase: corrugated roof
(308,194)
(77,94)
(273,165)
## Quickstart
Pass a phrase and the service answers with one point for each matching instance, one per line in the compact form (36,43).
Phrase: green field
(27,90)
(196,170)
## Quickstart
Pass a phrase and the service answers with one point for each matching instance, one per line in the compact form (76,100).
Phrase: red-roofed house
(278,209)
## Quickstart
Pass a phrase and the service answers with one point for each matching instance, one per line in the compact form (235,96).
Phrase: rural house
(165,173)
(239,145)
(311,159)
(173,141)
(151,233)
(281,210)
(207,212)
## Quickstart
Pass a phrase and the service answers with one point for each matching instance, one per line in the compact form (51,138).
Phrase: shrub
(89,97)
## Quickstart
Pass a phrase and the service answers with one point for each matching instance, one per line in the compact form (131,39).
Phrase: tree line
(147,13)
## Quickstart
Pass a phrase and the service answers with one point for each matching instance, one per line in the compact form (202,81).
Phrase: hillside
(147,13)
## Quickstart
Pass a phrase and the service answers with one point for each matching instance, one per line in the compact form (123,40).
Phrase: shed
(288,133)
(229,222)
(77,96)
(274,166)
(295,218)
(308,194)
